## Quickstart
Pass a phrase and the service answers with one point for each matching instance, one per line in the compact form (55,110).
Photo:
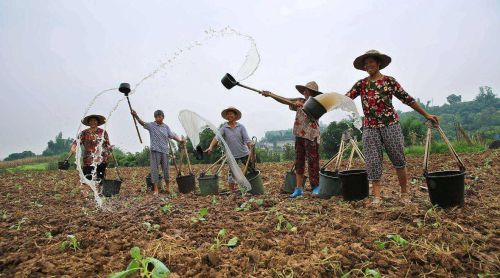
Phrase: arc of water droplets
(245,71)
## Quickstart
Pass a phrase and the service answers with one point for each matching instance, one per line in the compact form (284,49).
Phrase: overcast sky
(55,56)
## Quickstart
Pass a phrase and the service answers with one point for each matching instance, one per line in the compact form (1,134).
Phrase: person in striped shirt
(159,135)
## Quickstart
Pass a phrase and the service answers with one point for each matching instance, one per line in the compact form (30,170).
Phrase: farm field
(277,236)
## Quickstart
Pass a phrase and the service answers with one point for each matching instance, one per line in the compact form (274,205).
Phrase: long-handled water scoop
(125,89)
(229,82)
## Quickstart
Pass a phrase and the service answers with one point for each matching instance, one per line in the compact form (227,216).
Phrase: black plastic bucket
(291,182)
(329,184)
(186,183)
(446,188)
(149,182)
(354,184)
(63,165)
(313,108)
(255,181)
(209,185)
(111,187)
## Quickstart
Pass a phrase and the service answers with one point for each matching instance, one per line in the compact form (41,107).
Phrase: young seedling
(282,222)
(49,236)
(201,215)
(4,214)
(70,242)
(398,239)
(368,273)
(215,201)
(166,208)
(379,244)
(219,240)
(36,204)
(146,266)
(246,206)
(150,227)
(18,225)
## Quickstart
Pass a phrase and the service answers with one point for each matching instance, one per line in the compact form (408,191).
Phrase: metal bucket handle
(116,166)
(250,155)
(428,139)
(174,160)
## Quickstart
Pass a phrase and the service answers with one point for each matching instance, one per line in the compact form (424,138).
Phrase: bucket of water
(186,183)
(329,184)
(313,108)
(149,182)
(209,185)
(291,182)
(255,181)
(228,81)
(354,184)
(446,188)
(111,187)
(63,165)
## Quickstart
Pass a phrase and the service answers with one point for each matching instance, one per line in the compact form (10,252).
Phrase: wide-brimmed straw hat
(231,108)
(311,86)
(359,62)
(100,119)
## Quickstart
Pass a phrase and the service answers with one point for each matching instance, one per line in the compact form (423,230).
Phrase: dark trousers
(100,173)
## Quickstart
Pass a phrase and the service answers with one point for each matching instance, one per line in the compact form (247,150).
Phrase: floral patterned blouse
(90,141)
(304,126)
(376,99)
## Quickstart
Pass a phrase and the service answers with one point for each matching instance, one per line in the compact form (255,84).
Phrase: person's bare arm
(283,100)
(134,114)
(433,118)
(213,144)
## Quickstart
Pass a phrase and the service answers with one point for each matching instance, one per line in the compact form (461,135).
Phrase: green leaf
(221,233)
(379,244)
(134,264)
(259,202)
(372,273)
(159,270)
(398,239)
(135,252)
(122,274)
(232,242)
(203,212)
(289,226)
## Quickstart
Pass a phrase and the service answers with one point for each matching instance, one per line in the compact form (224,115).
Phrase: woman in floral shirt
(381,124)
(307,137)
(90,139)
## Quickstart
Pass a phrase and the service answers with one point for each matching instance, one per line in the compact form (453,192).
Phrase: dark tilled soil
(325,238)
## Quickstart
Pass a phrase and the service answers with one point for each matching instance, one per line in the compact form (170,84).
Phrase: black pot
(124,88)
(228,81)
(313,108)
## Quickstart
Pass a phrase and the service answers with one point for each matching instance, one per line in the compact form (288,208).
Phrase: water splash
(249,66)
(331,101)
(193,124)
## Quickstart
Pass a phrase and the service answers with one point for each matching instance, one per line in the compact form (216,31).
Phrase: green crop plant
(49,235)
(248,205)
(282,222)
(148,267)
(219,240)
(150,227)
(201,215)
(368,273)
(215,201)
(379,244)
(398,239)
(166,208)
(70,242)
(19,225)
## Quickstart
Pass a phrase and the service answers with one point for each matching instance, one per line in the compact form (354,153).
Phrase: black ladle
(229,82)
(125,89)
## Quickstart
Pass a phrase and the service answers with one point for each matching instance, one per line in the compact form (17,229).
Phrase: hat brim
(301,89)
(238,113)
(100,120)
(359,63)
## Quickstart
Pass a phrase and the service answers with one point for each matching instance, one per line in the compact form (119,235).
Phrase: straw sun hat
(100,119)
(231,108)
(311,86)
(359,62)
